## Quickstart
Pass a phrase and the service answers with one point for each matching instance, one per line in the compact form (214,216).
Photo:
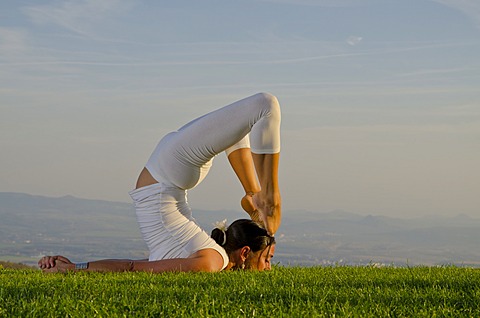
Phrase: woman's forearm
(106,265)
(205,260)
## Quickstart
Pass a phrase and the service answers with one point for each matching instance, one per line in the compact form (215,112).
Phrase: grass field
(283,292)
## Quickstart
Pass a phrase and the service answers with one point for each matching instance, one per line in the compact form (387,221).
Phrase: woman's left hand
(55,264)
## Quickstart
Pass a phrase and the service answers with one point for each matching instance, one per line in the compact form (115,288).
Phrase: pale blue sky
(381,99)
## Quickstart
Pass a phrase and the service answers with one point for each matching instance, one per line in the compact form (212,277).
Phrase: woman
(180,161)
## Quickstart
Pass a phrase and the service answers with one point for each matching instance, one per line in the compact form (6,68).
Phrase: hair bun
(220,236)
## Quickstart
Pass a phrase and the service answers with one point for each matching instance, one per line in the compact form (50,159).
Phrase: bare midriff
(145,179)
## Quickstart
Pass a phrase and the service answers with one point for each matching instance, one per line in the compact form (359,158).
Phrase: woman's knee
(269,100)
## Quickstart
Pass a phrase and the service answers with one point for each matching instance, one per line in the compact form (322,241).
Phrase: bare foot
(266,212)
(269,211)
(251,209)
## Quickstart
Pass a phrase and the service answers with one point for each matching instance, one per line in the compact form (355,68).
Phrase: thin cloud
(325,3)
(12,41)
(287,60)
(470,8)
(402,129)
(426,72)
(77,16)
(354,40)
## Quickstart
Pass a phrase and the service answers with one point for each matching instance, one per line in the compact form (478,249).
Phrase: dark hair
(243,232)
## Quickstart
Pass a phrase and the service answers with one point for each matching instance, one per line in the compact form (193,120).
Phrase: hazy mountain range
(32,226)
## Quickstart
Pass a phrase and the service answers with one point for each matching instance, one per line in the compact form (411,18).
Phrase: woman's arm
(59,263)
(207,260)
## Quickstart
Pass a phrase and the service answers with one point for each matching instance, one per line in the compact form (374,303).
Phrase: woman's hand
(55,264)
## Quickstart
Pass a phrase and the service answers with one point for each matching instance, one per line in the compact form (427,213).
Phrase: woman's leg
(183,158)
(262,202)
(268,201)
(216,131)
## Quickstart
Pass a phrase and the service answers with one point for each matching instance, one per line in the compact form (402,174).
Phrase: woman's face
(260,260)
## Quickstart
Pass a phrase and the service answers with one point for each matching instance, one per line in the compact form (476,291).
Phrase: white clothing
(183,158)
(181,161)
(167,225)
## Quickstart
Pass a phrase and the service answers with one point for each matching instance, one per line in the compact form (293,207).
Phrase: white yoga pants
(181,161)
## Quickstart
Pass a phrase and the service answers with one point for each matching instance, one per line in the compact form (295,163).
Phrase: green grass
(282,292)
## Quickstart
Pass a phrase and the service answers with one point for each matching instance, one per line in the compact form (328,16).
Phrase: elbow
(207,260)
(213,269)
(208,269)
(209,266)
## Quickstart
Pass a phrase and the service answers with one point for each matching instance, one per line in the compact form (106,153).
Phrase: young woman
(249,132)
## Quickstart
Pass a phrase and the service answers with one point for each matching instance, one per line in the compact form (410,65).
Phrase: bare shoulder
(210,259)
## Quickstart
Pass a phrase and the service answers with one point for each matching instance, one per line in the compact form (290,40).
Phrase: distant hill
(32,226)
(11,265)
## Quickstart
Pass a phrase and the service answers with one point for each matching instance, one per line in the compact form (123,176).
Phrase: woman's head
(247,244)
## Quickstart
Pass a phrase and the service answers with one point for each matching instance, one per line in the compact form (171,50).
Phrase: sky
(380,99)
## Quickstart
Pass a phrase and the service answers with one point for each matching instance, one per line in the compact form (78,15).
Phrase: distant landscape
(32,226)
